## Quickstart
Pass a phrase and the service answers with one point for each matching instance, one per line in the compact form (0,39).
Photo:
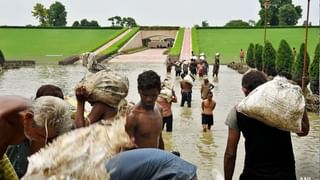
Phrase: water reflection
(206,150)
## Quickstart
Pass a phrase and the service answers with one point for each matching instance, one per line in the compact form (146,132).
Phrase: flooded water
(206,150)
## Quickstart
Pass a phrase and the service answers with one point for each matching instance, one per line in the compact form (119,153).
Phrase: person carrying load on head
(103,89)
(166,97)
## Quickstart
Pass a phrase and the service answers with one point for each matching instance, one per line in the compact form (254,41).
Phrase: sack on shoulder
(276,103)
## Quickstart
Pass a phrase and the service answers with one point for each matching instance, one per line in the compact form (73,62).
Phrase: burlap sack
(80,154)
(276,103)
(106,86)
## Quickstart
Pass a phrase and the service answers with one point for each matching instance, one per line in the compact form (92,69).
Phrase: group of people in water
(28,125)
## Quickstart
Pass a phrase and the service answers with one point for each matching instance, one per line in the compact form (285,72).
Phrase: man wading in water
(144,121)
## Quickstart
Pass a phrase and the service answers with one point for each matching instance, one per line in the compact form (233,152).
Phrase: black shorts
(207,119)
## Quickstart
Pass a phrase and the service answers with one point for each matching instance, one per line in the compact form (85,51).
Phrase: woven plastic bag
(276,103)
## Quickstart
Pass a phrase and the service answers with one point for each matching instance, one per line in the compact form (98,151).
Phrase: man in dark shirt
(268,150)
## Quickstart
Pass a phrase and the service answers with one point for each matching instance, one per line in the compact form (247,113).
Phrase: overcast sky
(148,12)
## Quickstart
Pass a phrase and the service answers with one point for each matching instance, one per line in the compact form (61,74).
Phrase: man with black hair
(144,121)
(268,150)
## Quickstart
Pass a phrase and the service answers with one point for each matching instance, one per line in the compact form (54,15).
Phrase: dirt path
(149,56)
(186,45)
(110,43)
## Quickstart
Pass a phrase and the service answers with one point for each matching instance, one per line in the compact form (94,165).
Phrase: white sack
(276,103)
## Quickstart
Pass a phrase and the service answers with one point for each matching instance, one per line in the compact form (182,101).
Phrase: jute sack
(106,86)
(276,103)
(80,154)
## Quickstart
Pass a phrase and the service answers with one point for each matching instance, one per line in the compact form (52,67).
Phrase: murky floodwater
(206,150)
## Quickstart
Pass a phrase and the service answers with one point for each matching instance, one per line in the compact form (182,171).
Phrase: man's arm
(130,127)
(80,92)
(304,124)
(161,143)
(96,112)
(231,153)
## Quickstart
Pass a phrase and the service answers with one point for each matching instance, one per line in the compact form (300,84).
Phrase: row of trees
(285,62)
(56,15)
(123,21)
(85,23)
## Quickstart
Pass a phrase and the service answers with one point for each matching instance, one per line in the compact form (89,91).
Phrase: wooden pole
(305,50)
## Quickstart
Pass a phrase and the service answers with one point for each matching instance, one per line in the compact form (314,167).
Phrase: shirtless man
(207,106)
(144,121)
(186,91)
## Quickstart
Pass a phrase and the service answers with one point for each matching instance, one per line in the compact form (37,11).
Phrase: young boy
(208,106)
(144,121)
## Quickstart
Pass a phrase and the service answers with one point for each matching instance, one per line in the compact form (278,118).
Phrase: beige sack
(80,154)
(106,86)
(276,103)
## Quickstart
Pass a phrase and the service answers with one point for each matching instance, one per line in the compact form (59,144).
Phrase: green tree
(314,71)
(94,23)
(258,56)
(288,15)
(76,24)
(40,13)
(131,22)
(205,23)
(297,68)
(273,11)
(250,56)
(284,59)
(84,22)
(112,21)
(237,23)
(118,20)
(57,14)
(269,59)
(1,58)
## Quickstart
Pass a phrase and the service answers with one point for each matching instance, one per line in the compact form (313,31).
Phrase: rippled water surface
(206,150)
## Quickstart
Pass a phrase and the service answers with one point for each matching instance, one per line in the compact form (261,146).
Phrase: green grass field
(46,45)
(176,49)
(228,42)
(116,46)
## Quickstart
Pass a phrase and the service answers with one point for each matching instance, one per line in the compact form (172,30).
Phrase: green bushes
(269,58)
(284,59)
(250,56)
(176,49)
(297,68)
(195,43)
(258,56)
(314,71)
